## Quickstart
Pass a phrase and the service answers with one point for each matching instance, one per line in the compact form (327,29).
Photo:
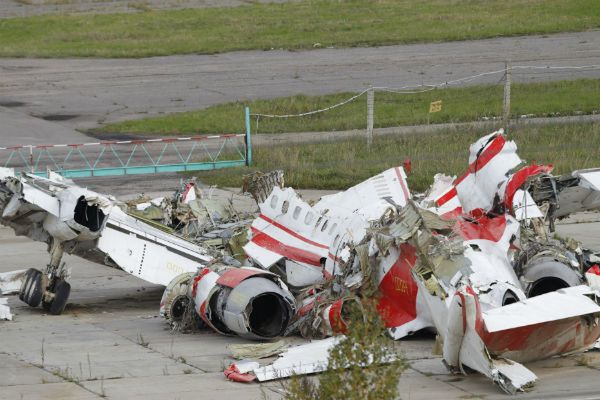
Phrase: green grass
(294,25)
(459,104)
(341,164)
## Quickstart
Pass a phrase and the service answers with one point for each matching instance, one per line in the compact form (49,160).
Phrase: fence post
(370,109)
(248,138)
(506,102)
(31,158)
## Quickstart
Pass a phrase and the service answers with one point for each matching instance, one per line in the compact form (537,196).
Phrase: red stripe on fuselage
(493,149)
(293,253)
(401,182)
(291,232)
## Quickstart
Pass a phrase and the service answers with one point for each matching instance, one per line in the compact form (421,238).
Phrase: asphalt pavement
(85,93)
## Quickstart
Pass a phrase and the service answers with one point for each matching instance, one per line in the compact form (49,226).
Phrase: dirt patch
(11,104)
(58,117)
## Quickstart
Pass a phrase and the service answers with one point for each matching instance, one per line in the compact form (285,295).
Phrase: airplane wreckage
(473,258)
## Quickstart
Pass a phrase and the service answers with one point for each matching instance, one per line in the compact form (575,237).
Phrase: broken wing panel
(299,360)
(561,304)
(147,252)
(5,313)
(10,282)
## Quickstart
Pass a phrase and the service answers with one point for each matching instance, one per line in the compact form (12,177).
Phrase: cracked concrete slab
(110,342)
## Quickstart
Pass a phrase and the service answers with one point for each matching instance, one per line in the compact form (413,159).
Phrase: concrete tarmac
(111,343)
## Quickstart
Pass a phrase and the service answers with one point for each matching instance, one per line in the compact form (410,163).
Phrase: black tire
(31,289)
(25,284)
(61,295)
(46,305)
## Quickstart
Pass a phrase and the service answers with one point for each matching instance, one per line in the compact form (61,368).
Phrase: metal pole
(248,138)
(506,105)
(31,158)
(370,109)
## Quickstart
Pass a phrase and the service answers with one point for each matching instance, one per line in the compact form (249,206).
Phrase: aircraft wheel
(62,289)
(31,289)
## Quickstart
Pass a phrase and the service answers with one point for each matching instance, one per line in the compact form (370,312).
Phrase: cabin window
(308,218)
(297,211)
(336,241)
(332,228)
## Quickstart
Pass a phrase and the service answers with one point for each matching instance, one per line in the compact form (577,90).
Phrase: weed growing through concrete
(141,341)
(43,353)
(89,365)
(363,366)
(102,392)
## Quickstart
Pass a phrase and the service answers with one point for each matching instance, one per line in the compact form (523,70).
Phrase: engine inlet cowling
(248,302)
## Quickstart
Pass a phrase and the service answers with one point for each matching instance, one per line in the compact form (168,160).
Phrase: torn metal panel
(490,158)
(261,185)
(569,193)
(148,252)
(10,282)
(592,276)
(554,323)
(239,371)
(299,360)
(369,199)
(257,350)
(322,316)
(463,345)
(524,206)
(5,313)
(491,180)
(401,303)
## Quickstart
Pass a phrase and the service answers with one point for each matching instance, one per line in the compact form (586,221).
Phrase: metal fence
(129,157)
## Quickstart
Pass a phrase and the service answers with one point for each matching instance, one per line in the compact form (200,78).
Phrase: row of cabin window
(307,218)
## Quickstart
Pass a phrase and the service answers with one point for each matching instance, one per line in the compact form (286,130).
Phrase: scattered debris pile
(193,214)
(473,258)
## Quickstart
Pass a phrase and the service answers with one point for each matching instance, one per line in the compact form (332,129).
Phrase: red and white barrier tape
(123,142)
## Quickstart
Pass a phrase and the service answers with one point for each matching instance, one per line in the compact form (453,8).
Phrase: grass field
(340,164)
(294,25)
(459,105)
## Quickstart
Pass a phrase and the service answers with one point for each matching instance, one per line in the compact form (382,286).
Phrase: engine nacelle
(248,302)
(546,274)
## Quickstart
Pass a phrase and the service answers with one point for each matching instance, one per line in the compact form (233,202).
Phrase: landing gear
(49,288)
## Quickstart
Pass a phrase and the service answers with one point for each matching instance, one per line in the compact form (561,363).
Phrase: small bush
(364,366)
